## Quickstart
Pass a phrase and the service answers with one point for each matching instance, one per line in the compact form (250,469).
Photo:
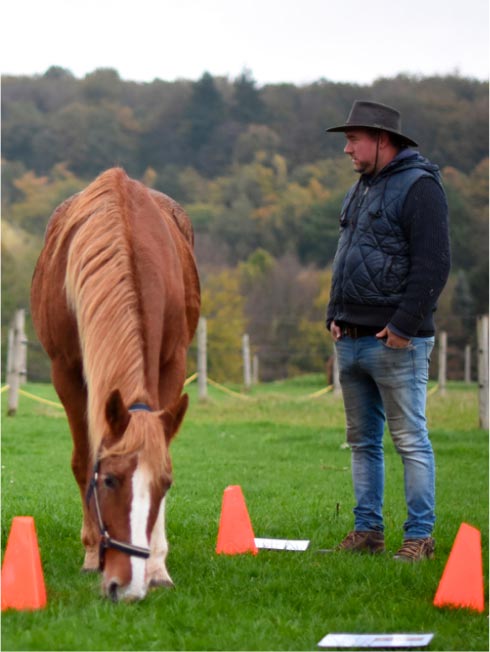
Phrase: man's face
(361,147)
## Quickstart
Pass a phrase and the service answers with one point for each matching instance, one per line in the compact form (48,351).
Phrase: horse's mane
(101,290)
(144,436)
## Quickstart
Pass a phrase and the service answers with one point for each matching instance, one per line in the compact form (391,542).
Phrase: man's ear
(384,139)
(117,416)
(172,417)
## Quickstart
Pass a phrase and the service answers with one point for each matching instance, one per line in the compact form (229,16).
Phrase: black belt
(354,332)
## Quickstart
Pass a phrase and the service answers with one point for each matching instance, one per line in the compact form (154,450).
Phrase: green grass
(286,454)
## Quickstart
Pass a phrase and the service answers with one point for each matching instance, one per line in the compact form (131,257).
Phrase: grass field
(285,451)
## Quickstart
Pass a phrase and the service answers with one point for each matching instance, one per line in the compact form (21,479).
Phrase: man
(392,263)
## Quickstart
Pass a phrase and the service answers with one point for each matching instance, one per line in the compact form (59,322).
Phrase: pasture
(286,453)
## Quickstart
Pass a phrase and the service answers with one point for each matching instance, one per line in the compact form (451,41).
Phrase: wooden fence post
(442,362)
(247,368)
(10,353)
(202,362)
(467,363)
(16,360)
(255,369)
(482,331)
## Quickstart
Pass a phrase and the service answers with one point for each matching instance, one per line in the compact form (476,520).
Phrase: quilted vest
(372,260)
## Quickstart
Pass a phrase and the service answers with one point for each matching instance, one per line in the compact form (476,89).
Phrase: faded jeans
(381,383)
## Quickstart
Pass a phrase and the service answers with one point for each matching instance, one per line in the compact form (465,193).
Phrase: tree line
(94,122)
(260,179)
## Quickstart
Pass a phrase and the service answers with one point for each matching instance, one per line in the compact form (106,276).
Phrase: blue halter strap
(138,407)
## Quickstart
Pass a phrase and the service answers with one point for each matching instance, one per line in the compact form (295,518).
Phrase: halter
(106,541)
(137,407)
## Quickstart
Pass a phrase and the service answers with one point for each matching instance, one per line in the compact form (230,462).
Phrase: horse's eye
(110,481)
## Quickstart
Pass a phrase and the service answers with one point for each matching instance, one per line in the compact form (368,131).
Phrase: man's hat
(373,115)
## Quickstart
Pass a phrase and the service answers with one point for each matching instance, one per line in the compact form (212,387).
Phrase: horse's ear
(117,416)
(172,417)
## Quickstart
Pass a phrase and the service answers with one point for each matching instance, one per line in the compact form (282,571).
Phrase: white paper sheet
(375,640)
(282,544)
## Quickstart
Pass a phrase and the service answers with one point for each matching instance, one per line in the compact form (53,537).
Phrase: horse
(115,301)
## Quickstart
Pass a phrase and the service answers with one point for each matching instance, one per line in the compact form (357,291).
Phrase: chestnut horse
(115,302)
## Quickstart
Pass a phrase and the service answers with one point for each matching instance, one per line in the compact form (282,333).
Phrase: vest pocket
(394,274)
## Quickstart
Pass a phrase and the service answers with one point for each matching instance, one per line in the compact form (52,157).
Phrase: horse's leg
(172,376)
(156,569)
(71,389)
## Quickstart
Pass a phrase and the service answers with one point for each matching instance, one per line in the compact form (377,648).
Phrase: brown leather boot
(363,541)
(416,549)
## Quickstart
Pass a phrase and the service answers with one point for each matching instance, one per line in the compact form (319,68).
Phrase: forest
(262,183)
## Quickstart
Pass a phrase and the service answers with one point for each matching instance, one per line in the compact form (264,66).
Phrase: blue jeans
(380,383)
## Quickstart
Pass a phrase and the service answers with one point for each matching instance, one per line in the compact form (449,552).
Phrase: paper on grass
(376,640)
(282,544)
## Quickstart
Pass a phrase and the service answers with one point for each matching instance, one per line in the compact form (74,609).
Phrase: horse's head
(132,474)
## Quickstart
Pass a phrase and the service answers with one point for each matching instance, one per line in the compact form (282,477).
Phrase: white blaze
(138,521)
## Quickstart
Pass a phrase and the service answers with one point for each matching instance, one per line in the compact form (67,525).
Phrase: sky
(290,41)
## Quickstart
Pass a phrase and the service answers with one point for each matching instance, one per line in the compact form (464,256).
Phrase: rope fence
(213,383)
(189,380)
(318,393)
(433,390)
(17,370)
(39,399)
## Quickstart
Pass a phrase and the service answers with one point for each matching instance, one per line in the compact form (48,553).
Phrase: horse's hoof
(89,570)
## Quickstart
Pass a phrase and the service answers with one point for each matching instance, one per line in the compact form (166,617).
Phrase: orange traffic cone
(461,583)
(235,534)
(22,574)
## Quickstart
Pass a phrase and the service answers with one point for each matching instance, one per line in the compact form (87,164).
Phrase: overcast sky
(298,41)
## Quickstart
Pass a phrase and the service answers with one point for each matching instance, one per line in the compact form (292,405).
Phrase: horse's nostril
(112,591)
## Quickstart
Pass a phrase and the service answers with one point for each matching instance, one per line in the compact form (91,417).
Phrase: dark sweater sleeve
(425,218)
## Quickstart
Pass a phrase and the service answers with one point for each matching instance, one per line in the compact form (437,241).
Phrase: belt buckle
(349,331)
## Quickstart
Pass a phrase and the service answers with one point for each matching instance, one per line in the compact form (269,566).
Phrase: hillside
(260,179)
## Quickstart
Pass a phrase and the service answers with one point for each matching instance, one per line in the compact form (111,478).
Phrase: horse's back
(159,238)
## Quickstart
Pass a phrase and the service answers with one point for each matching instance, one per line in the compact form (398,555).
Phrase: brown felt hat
(373,115)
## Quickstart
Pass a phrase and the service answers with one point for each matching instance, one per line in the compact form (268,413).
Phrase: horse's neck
(102,292)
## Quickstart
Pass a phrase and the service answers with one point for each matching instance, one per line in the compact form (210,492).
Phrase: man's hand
(335,331)
(393,340)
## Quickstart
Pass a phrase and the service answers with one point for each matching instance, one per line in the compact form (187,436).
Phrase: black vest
(372,261)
